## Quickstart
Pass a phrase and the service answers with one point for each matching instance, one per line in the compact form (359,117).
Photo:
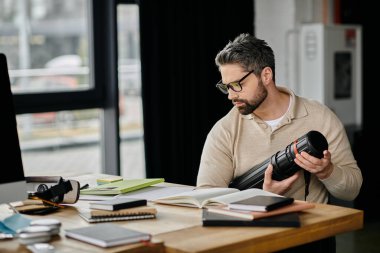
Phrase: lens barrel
(313,143)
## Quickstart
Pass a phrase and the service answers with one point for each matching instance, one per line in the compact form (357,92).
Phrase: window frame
(73,100)
(104,93)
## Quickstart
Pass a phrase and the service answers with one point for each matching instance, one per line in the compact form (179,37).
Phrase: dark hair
(249,52)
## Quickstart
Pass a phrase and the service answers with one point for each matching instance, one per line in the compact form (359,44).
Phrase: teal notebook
(124,186)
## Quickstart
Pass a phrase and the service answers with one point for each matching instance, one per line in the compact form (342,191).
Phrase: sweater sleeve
(216,165)
(346,179)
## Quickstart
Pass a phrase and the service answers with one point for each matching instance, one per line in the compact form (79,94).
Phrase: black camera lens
(42,188)
(313,143)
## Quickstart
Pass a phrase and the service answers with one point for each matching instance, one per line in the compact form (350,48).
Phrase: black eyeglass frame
(235,86)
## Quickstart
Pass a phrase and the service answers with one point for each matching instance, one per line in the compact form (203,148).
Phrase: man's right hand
(278,187)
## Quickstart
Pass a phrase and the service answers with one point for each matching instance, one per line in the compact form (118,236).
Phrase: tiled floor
(366,240)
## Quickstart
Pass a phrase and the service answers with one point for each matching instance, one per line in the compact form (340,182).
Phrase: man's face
(253,91)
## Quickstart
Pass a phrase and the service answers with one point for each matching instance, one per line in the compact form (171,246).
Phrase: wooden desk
(179,229)
(318,223)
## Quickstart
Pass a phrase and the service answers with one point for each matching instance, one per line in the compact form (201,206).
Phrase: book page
(236,196)
(195,197)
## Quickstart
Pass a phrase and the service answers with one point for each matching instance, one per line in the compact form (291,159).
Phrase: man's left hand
(322,168)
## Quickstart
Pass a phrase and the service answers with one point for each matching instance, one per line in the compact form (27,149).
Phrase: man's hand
(322,168)
(278,187)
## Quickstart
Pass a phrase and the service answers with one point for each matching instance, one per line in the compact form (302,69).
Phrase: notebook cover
(283,220)
(118,203)
(107,235)
(261,203)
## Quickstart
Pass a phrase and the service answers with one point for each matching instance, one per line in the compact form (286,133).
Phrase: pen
(48,202)
(84,187)
(13,208)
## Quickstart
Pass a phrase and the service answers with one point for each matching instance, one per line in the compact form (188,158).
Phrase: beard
(249,106)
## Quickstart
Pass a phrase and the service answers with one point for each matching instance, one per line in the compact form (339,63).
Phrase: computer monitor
(12,179)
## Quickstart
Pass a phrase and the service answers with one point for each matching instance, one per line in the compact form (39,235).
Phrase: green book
(119,187)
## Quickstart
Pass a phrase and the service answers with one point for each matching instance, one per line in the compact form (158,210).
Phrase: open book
(205,197)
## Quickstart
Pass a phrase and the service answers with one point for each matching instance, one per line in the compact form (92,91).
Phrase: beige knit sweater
(236,143)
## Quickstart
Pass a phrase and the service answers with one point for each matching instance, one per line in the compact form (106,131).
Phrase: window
(59,61)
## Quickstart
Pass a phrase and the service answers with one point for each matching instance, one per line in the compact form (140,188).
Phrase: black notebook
(117,203)
(261,203)
(107,235)
(282,220)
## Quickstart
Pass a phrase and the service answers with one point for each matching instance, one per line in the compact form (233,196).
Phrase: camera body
(314,143)
(54,188)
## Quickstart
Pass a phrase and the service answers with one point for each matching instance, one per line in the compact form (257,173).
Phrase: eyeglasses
(235,86)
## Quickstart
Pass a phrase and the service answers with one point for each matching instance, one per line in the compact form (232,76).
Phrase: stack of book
(232,207)
(118,209)
(281,216)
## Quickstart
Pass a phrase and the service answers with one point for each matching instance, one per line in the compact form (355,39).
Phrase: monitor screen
(12,180)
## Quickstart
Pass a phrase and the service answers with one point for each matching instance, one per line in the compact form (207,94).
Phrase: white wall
(278,22)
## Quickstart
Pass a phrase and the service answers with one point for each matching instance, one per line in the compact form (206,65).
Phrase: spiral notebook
(90,219)
(137,213)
